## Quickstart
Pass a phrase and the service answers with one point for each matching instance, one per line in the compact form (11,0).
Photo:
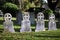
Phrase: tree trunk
(32,18)
(52,5)
(19,18)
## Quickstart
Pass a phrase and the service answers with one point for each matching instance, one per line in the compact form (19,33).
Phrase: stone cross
(8,17)
(26,16)
(52,23)
(40,22)
(25,25)
(8,24)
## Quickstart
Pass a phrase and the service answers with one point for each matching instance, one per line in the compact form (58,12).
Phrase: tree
(19,14)
(10,8)
(52,4)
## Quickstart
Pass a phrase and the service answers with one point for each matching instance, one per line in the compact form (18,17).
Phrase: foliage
(10,5)
(31,4)
(10,8)
(1,3)
(28,5)
(47,13)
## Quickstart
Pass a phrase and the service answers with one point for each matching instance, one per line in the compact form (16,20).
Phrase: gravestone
(59,10)
(25,25)
(8,24)
(40,22)
(45,6)
(52,23)
(1,13)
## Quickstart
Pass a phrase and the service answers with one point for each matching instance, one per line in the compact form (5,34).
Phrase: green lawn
(43,35)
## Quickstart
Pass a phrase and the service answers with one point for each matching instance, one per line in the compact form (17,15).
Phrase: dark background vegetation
(13,11)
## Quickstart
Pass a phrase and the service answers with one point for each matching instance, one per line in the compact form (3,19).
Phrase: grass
(43,35)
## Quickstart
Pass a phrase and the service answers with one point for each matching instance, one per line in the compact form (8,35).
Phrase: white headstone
(25,25)
(8,24)
(40,22)
(52,23)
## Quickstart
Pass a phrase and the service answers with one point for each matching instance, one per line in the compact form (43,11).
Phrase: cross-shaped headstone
(25,25)
(40,22)
(26,16)
(52,17)
(52,23)
(8,24)
(7,17)
(40,16)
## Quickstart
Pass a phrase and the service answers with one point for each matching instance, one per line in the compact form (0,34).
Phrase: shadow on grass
(15,23)
(1,22)
(47,36)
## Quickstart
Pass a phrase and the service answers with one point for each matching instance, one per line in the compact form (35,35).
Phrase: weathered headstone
(45,6)
(52,23)
(25,25)
(8,24)
(1,13)
(59,10)
(40,22)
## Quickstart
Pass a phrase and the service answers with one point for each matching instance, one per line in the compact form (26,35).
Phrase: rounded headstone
(26,16)
(25,24)
(52,23)
(52,17)
(8,24)
(7,17)
(40,16)
(40,22)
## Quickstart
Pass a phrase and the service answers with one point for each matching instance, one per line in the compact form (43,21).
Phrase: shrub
(10,8)
(47,13)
